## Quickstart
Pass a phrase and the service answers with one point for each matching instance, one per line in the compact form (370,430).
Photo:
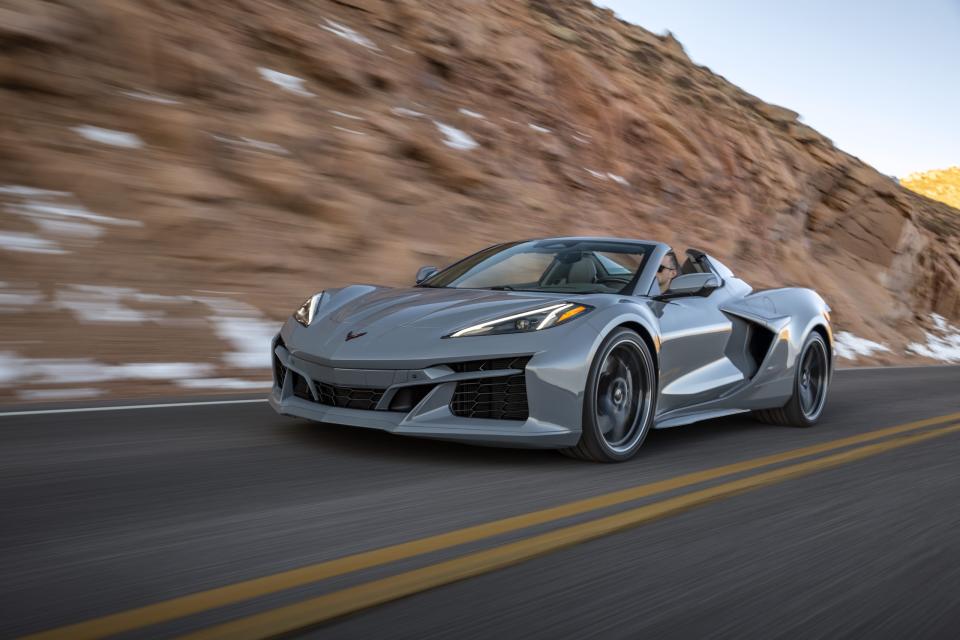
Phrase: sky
(880,78)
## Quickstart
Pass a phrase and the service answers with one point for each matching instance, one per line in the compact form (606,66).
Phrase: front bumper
(303,384)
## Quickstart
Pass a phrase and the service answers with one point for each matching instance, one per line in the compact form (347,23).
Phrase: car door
(695,334)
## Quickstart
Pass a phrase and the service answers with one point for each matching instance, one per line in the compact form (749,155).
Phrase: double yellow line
(326,607)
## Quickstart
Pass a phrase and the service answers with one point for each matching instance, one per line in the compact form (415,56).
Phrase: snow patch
(471,114)
(27,243)
(92,303)
(224,383)
(241,325)
(145,96)
(272,147)
(30,192)
(347,33)
(849,347)
(942,344)
(409,113)
(48,209)
(59,394)
(109,136)
(163,370)
(346,130)
(70,229)
(618,179)
(244,328)
(53,210)
(455,138)
(596,174)
(17,370)
(538,128)
(285,81)
(349,116)
(252,143)
(14,300)
(261,145)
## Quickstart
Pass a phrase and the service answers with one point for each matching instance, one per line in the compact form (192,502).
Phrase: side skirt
(697,416)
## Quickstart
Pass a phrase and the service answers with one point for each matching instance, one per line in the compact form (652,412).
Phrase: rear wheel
(810,385)
(619,401)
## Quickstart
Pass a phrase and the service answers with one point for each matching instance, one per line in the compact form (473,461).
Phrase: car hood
(371,309)
(366,326)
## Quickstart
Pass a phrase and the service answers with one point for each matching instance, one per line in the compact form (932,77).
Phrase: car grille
(500,398)
(333,396)
(490,365)
(348,397)
(495,398)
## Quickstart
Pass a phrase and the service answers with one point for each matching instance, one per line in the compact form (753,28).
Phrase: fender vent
(759,343)
(748,345)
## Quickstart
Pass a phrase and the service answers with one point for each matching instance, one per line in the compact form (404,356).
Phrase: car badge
(351,335)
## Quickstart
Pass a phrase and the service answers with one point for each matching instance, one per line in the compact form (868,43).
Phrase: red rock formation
(360,164)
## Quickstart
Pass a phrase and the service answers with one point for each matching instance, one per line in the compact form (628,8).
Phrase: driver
(667,271)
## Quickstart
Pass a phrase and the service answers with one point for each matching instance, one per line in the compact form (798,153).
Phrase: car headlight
(308,310)
(533,320)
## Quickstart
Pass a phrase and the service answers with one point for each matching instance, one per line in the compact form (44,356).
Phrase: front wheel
(619,400)
(810,385)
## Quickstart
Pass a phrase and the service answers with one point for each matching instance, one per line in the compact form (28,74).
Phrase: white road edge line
(895,366)
(38,412)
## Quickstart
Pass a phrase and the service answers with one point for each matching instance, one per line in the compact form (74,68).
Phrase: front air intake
(493,364)
(279,371)
(499,398)
(348,397)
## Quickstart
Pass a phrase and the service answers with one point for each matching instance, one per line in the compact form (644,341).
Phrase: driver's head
(666,272)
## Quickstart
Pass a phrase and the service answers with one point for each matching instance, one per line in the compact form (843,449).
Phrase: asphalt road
(105,512)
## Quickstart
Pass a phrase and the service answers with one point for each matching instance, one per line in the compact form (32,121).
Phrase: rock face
(263,151)
(940,184)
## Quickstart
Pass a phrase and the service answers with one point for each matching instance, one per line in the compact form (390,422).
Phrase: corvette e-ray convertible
(577,344)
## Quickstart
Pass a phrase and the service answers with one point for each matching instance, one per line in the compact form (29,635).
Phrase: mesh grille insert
(500,398)
(348,397)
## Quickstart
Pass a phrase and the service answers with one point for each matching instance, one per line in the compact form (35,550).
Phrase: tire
(620,400)
(811,383)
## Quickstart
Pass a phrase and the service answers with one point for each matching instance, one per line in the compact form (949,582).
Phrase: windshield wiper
(501,287)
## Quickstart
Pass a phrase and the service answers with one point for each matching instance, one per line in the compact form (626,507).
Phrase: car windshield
(562,266)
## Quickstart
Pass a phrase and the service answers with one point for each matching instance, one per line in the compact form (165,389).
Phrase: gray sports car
(577,344)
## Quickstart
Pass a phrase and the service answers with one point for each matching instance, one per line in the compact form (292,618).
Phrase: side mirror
(692,284)
(425,272)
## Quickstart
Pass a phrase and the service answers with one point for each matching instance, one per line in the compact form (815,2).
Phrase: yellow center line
(346,601)
(193,603)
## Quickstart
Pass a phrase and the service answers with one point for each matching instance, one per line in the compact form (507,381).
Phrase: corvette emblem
(351,335)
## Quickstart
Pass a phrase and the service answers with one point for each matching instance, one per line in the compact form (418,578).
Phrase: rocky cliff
(939,184)
(176,176)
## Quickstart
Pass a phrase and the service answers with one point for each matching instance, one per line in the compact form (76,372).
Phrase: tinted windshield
(563,266)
